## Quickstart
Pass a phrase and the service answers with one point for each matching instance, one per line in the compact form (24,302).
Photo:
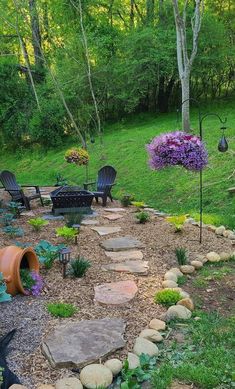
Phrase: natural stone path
(118,256)
(76,344)
(88,222)
(106,230)
(139,267)
(122,243)
(115,293)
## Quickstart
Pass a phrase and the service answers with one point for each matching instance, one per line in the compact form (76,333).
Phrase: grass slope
(173,190)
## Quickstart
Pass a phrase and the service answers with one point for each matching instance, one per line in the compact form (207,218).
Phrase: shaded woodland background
(132,54)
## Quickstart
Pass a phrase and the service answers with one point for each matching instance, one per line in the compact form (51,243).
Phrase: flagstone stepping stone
(115,293)
(122,243)
(114,216)
(124,255)
(50,216)
(79,343)
(106,230)
(114,210)
(28,213)
(140,267)
(88,222)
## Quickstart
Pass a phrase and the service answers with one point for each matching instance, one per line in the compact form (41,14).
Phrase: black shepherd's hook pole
(223,146)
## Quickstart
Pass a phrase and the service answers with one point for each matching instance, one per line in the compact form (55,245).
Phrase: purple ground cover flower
(37,287)
(177,148)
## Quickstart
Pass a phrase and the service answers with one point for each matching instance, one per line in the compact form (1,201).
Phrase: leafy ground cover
(173,189)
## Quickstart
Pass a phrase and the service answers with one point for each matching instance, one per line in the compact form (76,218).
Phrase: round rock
(171,276)
(213,257)
(184,294)
(115,365)
(152,335)
(220,230)
(201,258)
(133,361)
(187,302)
(17,386)
(231,236)
(197,264)
(158,325)
(224,256)
(178,312)
(45,386)
(227,233)
(95,375)
(169,284)
(68,383)
(176,271)
(144,346)
(187,269)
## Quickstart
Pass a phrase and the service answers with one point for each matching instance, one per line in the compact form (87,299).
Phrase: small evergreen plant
(167,297)
(79,267)
(61,309)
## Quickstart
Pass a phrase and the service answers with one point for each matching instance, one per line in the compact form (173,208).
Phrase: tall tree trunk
(36,34)
(150,11)
(185,61)
(132,15)
(185,102)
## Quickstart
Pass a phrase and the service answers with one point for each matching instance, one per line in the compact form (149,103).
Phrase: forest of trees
(72,65)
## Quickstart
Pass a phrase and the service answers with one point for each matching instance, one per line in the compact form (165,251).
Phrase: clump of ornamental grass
(167,297)
(61,309)
(79,267)
(181,255)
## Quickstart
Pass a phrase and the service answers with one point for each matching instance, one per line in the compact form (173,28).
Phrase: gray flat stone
(122,243)
(139,267)
(106,230)
(88,222)
(113,216)
(114,209)
(118,256)
(77,344)
(28,213)
(115,293)
(50,216)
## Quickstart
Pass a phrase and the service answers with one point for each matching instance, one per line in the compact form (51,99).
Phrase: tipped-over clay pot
(12,259)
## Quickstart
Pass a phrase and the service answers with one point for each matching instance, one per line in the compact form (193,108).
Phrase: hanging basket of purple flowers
(177,148)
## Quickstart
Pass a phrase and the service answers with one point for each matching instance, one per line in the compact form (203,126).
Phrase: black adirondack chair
(9,182)
(105,182)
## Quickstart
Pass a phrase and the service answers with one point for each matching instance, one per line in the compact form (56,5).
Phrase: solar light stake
(64,258)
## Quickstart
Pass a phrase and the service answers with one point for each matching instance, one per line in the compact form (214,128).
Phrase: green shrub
(126,199)
(143,217)
(15,208)
(74,218)
(79,267)
(61,309)
(167,297)
(181,255)
(67,233)
(37,223)
(7,219)
(138,204)
(26,279)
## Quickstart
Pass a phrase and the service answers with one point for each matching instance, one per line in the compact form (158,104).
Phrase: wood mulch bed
(29,314)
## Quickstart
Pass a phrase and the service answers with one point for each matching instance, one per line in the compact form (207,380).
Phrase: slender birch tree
(185,58)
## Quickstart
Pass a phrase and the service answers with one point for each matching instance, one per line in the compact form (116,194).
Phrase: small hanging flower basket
(77,155)
(177,148)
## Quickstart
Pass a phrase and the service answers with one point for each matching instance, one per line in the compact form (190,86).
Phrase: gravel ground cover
(30,317)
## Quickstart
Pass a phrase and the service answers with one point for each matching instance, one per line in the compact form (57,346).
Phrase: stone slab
(139,267)
(52,217)
(114,209)
(114,216)
(115,293)
(122,243)
(88,222)
(79,343)
(28,213)
(106,230)
(118,256)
